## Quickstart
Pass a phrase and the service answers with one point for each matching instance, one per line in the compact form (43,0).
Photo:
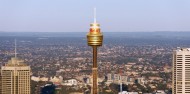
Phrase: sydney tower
(94,39)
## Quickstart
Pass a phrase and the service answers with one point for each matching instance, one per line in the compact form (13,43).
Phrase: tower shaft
(94,70)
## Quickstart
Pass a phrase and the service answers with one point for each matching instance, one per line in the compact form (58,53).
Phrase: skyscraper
(181,71)
(15,77)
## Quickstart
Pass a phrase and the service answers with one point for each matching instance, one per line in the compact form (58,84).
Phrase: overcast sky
(76,15)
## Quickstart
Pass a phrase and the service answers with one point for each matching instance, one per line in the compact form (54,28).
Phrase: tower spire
(94,15)
(15,49)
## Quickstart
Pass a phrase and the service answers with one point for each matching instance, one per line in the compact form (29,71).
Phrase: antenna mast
(94,15)
(120,81)
(15,49)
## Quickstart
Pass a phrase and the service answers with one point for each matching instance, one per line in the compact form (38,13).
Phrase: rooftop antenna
(94,15)
(120,81)
(15,49)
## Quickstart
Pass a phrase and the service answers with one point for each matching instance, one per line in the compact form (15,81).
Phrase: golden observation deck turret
(94,37)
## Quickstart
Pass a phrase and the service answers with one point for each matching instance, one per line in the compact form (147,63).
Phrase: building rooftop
(183,49)
(15,62)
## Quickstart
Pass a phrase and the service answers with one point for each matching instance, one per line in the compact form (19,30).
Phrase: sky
(76,15)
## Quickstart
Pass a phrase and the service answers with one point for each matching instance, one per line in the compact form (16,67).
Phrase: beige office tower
(181,71)
(15,77)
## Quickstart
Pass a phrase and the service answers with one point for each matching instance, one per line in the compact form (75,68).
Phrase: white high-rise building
(181,71)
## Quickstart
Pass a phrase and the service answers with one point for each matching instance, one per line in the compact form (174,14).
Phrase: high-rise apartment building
(181,71)
(15,77)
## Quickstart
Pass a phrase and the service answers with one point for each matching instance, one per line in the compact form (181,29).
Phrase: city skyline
(145,62)
(75,16)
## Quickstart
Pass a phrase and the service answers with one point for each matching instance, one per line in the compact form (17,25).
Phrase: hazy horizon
(151,35)
(88,31)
